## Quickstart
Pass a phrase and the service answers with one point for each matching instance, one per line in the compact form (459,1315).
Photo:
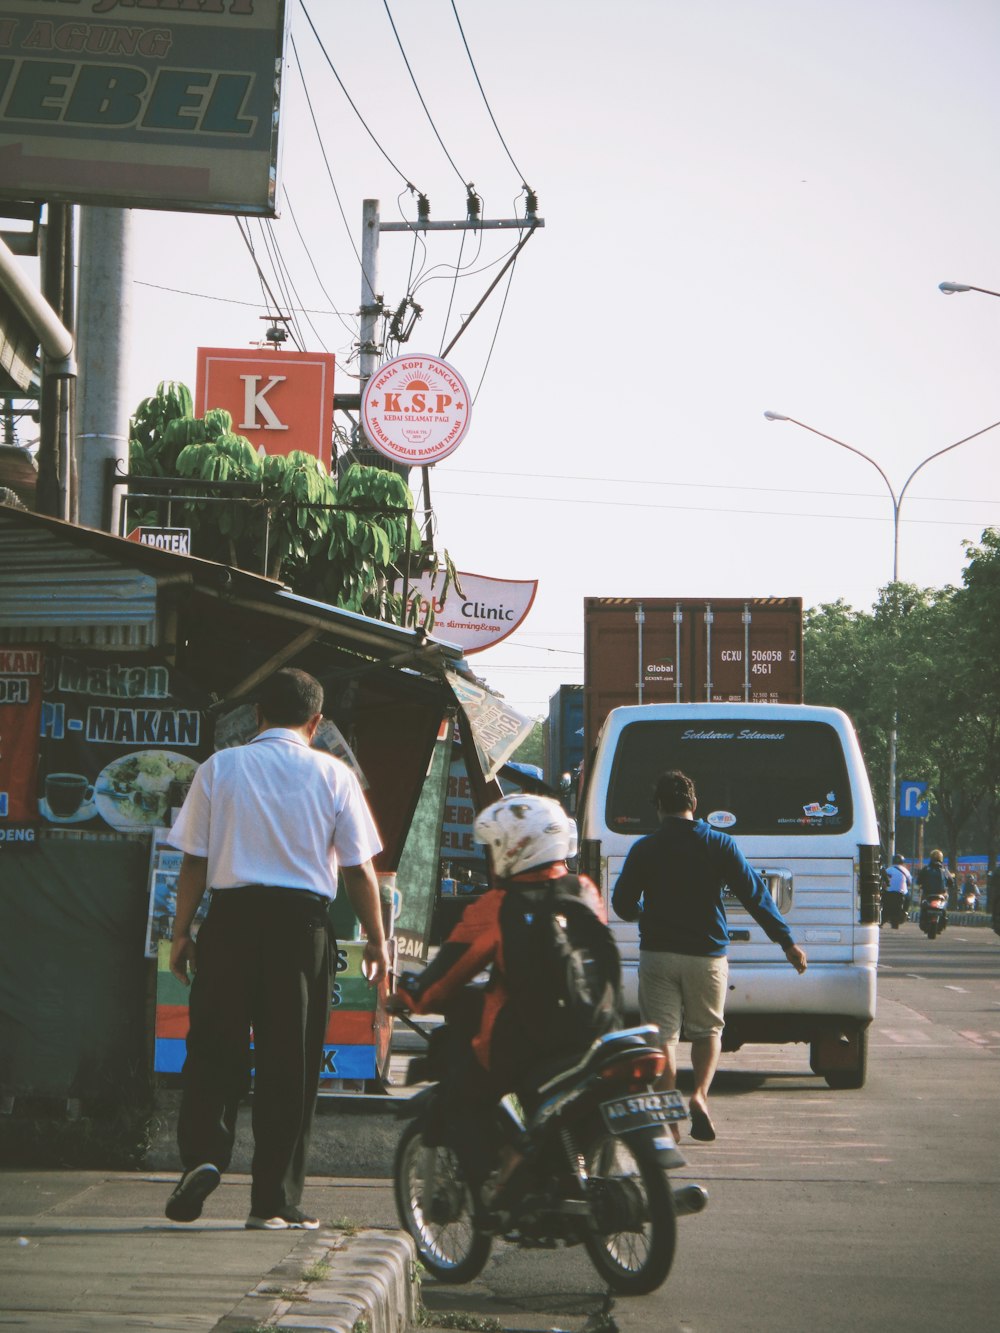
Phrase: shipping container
(564,734)
(689,650)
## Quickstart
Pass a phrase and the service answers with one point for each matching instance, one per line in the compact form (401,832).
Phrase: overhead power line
(646,482)
(231,300)
(420,95)
(479,83)
(708,509)
(326,56)
(322,149)
(351,328)
(265,285)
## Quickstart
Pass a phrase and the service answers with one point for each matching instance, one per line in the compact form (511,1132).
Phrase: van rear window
(751,778)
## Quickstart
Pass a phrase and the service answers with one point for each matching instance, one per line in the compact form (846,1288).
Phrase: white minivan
(788,782)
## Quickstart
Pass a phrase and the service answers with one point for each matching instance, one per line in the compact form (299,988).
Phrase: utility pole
(372,305)
(104,340)
(58,388)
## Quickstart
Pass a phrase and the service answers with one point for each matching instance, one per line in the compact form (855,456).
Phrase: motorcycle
(968,900)
(593,1162)
(895,908)
(933,914)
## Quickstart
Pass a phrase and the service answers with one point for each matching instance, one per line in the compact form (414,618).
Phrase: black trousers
(263,962)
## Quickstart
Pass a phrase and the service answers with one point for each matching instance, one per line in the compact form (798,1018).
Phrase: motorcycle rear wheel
(435,1205)
(633,1249)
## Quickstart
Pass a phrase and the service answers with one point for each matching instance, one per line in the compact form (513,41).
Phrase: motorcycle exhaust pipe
(690,1199)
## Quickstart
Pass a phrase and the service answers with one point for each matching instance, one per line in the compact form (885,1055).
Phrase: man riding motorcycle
(934,880)
(491,1050)
(896,892)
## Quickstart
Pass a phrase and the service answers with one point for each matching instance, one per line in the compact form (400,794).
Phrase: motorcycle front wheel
(435,1205)
(632,1245)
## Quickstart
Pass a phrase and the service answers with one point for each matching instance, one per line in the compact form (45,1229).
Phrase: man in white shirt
(267,826)
(896,892)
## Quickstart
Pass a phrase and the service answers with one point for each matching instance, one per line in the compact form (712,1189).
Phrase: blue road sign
(912,802)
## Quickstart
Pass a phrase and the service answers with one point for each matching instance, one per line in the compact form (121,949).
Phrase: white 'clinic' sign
(483,613)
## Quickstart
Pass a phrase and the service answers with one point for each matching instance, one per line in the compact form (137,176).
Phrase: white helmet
(525,831)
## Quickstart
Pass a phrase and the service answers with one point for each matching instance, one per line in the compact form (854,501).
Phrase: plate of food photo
(136,791)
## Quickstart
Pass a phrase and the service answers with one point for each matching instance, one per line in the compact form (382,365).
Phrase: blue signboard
(912,800)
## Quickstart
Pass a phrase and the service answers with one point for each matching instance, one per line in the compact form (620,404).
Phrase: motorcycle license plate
(643,1109)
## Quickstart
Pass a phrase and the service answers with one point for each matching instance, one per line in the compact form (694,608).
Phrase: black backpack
(932,879)
(561,966)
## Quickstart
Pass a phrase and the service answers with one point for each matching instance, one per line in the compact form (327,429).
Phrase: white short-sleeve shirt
(276,812)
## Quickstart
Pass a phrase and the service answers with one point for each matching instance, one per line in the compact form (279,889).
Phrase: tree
(346,542)
(532,748)
(979,666)
(931,657)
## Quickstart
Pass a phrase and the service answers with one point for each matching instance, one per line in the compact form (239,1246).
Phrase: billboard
(160,104)
(479,614)
(280,401)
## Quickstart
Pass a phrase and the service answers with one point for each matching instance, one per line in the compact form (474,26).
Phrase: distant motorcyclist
(968,894)
(897,889)
(934,879)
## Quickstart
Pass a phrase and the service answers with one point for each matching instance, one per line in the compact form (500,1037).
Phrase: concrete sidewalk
(88,1251)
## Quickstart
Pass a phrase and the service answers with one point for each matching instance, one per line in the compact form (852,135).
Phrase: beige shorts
(678,989)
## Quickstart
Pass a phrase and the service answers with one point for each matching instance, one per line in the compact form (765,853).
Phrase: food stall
(121,667)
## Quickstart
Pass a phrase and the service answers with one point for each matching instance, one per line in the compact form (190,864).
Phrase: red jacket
(475,945)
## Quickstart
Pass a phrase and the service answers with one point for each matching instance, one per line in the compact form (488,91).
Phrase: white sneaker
(292,1219)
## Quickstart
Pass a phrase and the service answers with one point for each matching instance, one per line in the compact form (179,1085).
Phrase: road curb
(370,1282)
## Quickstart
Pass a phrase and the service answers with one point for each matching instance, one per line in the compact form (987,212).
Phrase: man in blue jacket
(672,883)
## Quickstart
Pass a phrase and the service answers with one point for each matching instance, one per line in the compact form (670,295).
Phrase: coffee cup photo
(65,793)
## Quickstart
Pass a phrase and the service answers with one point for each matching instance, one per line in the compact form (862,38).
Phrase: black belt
(319,898)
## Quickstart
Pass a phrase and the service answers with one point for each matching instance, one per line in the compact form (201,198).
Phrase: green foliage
(532,748)
(931,658)
(346,542)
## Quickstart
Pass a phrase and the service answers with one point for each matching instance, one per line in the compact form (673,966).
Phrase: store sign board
(281,401)
(177,540)
(416,410)
(484,612)
(21,674)
(157,104)
(497,729)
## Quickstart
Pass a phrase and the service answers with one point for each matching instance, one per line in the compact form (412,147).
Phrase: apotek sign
(416,410)
(280,401)
(141,103)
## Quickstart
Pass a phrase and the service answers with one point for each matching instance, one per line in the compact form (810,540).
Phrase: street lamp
(950,288)
(897,504)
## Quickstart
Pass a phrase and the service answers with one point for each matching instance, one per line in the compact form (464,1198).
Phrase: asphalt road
(829,1211)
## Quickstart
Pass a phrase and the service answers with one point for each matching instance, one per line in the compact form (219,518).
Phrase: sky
(748,205)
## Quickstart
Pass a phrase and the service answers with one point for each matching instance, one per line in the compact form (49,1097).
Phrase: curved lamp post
(897,504)
(950,288)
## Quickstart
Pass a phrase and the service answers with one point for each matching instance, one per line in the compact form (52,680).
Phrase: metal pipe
(52,333)
(690,1199)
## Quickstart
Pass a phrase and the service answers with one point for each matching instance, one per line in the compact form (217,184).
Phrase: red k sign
(279,400)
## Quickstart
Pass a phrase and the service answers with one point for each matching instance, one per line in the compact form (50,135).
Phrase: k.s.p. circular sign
(416,409)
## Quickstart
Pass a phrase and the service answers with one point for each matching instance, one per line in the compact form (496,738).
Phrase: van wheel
(843,1065)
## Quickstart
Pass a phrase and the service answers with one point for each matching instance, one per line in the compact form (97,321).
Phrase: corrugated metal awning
(53,592)
(63,583)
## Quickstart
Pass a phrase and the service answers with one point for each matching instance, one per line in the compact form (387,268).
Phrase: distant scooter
(933,914)
(968,899)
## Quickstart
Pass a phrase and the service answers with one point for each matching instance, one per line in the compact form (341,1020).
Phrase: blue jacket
(672,884)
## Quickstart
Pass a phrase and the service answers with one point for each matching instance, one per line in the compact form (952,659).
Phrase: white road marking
(961,989)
